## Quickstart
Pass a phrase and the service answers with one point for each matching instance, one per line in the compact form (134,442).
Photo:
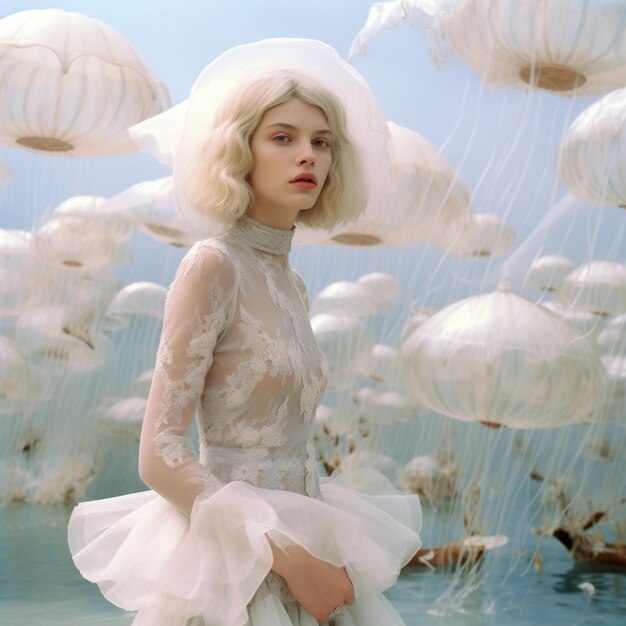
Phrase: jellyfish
(56,66)
(150,206)
(345,298)
(555,45)
(143,298)
(94,209)
(343,340)
(598,287)
(75,242)
(501,359)
(592,155)
(383,287)
(548,272)
(430,205)
(381,364)
(480,235)
(124,417)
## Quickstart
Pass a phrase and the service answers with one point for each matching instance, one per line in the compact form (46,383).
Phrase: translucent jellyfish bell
(47,332)
(124,417)
(611,339)
(74,242)
(560,46)
(598,287)
(345,298)
(363,459)
(19,272)
(557,45)
(384,288)
(143,298)
(343,340)
(56,66)
(423,475)
(500,359)
(94,209)
(15,378)
(548,272)
(592,155)
(389,407)
(480,235)
(381,364)
(430,199)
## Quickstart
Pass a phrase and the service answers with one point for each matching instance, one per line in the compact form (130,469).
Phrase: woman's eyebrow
(291,127)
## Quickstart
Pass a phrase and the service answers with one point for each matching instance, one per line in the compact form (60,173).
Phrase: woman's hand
(320,587)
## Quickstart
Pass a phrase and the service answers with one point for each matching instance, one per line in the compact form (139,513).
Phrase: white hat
(175,136)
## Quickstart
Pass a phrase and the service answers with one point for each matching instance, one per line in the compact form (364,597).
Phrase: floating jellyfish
(417,317)
(611,339)
(343,340)
(363,459)
(56,67)
(389,407)
(345,298)
(561,46)
(143,298)
(381,364)
(124,417)
(423,475)
(593,152)
(588,324)
(15,378)
(48,332)
(19,272)
(430,204)
(598,287)
(384,288)
(332,422)
(150,206)
(613,400)
(94,209)
(480,235)
(74,242)
(502,360)
(64,484)
(548,272)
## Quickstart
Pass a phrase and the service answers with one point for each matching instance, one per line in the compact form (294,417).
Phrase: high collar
(262,237)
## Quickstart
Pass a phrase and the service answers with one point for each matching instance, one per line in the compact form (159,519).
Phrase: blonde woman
(245,534)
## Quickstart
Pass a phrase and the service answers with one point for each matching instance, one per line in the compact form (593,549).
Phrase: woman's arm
(197,311)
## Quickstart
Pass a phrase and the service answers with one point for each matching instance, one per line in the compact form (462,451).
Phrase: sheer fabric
(238,353)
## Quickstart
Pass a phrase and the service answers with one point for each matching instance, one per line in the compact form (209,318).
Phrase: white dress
(237,351)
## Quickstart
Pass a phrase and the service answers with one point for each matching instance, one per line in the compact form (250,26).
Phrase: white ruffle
(148,557)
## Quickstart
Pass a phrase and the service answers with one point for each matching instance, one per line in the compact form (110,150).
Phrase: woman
(245,534)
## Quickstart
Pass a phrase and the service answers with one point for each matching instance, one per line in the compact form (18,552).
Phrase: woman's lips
(304,184)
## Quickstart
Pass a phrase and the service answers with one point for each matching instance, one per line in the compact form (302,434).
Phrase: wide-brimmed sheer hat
(176,136)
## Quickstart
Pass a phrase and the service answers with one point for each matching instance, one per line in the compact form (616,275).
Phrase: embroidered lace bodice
(237,351)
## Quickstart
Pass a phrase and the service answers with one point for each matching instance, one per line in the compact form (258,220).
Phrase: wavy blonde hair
(216,184)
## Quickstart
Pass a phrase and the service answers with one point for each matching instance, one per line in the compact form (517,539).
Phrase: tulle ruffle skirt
(206,570)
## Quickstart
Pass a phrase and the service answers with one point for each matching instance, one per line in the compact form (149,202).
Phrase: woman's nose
(306,155)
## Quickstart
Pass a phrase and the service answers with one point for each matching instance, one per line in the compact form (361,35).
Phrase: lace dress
(238,353)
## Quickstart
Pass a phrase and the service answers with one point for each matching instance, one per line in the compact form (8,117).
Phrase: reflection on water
(40,587)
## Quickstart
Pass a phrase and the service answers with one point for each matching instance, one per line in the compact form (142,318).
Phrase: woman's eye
(321,143)
(281,138)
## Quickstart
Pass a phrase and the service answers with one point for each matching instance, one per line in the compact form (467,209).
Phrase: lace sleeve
(197,311)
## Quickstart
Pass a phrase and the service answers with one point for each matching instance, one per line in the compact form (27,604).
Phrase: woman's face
(291,158)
